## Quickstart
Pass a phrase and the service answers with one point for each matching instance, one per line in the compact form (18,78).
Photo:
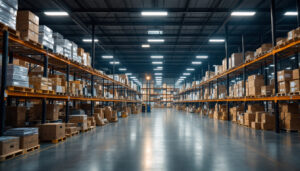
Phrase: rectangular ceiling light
(107,57)
(157,57)
(56,13)
(243,13)
(182,77)
(196,63)
(155,32)
(156,40)
(157,73)
(216,40)
(158,76)
(114,62)
(154,13)
(145,45)
(157,62)
(128,73)
(89,40)
(122,69)
(157,69)
(186,73)
(132,77)
(291,13)
(202,57)
(190,69)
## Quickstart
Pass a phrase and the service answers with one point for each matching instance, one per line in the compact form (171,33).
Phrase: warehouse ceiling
(121,30)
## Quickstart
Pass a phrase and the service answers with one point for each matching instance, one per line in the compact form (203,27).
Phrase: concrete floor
(166,140)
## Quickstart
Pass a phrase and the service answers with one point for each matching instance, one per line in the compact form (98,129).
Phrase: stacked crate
(40,83)
(255,82)
(290,117)
(28,26)
(284,77)
(294,84)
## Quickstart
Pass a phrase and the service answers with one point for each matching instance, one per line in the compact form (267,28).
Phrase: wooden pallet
(31,149)
(281,94)
(34,43)
(295,93)
(58,140)
(20,89)
(290,131)
(11,31)
(11,155)
(85,130)
(61,94)
(38,91)
(72,134)
(48,92)
(114,120)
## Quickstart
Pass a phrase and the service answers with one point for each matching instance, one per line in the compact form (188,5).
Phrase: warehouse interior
(149,85)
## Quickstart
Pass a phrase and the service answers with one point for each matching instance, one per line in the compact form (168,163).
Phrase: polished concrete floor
(166,139)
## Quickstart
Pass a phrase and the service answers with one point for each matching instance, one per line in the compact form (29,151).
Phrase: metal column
(227,67)
(44,102)
(11,58)
(273,29)
(3,80)
(244,72)
(298,10)
(93,66)
(68,91)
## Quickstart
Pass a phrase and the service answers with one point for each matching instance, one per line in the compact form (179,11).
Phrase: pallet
(58,140)
(31,149)
(34,43)
(291,131)
(61,94)
(11,31)
(11,155)
(295,93)
(20,89)
(281,94)
(72,134)
(114,120)
(48,92)
(85,130)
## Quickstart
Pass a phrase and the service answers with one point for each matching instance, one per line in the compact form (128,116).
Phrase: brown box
(280,41)
(294,86)
(27,16)
(256,125)
(16,116)
(29,141)
(249,56)
(267,126)
(293,34)
(255,108)
(9,144)
(29,35)
(52,111)
(236,59)
(296,74)
(264,48)
(284,87)
(52,131)
(23,25)
(266,90)
(70,125)
(267,118)
(284,75)
(80,52)
(70,130)
(290,108)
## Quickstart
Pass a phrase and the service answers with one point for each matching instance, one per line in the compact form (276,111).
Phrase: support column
(44,102)
(11,58)
(298,10)
(68,93)
(273,29)
(3,80)
(227,67)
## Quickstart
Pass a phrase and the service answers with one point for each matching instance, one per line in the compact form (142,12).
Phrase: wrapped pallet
(29,137)
(17,76)
(45,37)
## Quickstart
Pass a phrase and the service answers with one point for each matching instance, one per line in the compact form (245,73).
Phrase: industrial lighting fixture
(122,69)
(128,73)
(158,76)
(186,73)
(157,57)
(89,40)
(243,13)
(158,69)
(114,62)
(182,77)
(216,40)
(196,63)
(157,62)
(148,77)
(157,73)
(291,13)
(156,40)
(107,57)
(190,69)
(272,65)
(56,13)
(145,45)
(154,13)
(155,32)
(202,57)
(132,77)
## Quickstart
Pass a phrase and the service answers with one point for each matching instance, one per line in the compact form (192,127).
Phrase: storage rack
(164,95)
(278,52)
(14,47)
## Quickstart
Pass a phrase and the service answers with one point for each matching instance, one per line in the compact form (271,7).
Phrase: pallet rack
(168,95)
(278,52)
(14,47)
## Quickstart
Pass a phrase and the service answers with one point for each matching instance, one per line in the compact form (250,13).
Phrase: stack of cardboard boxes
(80,120)
(284,77)
(52,131)
(290,117)
(40,83)
(294,84)
(255,82)
(263,49)
(220,112)
(250,114)
(28,26)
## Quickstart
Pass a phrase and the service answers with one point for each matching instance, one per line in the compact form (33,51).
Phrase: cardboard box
(284,75)
(280,41)
(27,16)
(236,59)
(294,86)
(264,48)
(70,130)
(9,144)
(77,118)
(255,108)
(29,141)
(29,35)
(293,34)
(296,74)
(52,131)
(16,116)
(290,108)
(266,90)
(292,124)
(249,56)
(284,87)
(256,125)
(52,111)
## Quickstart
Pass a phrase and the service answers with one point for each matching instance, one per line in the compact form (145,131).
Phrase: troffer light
(291,13)
(154,13)
(243,13)
(56,13)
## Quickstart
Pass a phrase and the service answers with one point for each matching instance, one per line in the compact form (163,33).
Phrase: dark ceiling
(186,30)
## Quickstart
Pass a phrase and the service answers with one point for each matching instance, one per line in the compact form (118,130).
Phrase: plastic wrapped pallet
(74,53)
(58,47)
(45,37)
(8,12)
(17,76)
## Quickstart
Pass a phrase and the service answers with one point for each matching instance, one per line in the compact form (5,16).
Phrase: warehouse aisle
(166,140)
